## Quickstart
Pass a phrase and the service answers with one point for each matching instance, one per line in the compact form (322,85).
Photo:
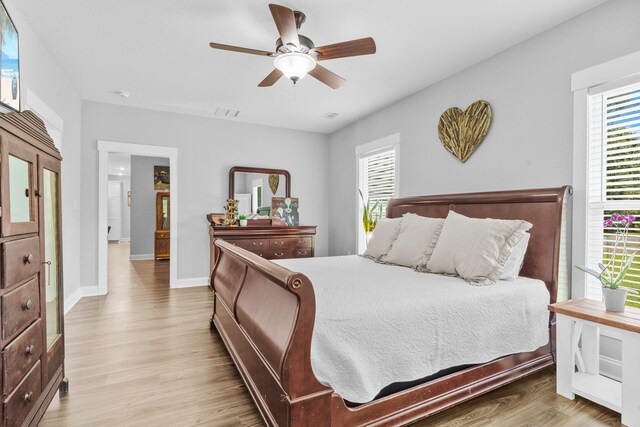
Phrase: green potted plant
(611,274)
(370,215)
(243,220)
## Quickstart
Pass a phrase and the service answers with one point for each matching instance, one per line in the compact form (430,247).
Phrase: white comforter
(379,324)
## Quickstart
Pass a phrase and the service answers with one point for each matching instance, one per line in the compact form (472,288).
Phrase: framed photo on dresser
(286,209)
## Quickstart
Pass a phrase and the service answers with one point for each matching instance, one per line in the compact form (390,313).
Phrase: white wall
(207,149)
(530,141)
(41,76)
(143,205)
(125,232)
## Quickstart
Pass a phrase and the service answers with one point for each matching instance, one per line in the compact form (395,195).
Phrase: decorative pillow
(415,241)
(475,249)
(514,264)
(382,237)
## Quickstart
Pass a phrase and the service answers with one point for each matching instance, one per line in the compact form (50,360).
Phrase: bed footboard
(264,314)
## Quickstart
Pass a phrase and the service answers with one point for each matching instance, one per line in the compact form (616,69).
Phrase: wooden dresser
(31,329)
(270,242)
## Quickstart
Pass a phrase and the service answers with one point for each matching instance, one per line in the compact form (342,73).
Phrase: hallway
(144,356)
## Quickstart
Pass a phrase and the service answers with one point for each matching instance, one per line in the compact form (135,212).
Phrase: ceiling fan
(296,55)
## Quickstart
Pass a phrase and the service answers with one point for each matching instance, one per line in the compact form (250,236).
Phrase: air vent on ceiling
(330,116)
(225,112)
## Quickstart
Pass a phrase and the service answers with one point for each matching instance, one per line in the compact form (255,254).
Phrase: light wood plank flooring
(144,356)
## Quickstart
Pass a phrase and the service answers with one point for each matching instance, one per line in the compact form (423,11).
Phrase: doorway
(110,223)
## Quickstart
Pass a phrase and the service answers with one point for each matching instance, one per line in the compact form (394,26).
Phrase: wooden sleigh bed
(265,315)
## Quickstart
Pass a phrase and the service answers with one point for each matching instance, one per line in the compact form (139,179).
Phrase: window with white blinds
(614,180)
(377,181)
(380,178)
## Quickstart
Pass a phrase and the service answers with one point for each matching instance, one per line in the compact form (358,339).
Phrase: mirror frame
(233,170)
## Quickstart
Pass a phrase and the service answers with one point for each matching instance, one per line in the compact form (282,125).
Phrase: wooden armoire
(31,311)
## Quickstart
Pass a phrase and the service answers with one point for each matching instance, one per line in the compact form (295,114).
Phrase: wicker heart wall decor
(462,132)
(274,182)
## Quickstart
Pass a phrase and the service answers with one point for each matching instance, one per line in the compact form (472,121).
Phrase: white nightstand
(578,366)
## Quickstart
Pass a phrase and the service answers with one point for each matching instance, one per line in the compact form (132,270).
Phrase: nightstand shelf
(578,327)
(597,388)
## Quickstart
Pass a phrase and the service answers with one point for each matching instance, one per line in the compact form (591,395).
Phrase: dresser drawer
(251,244)
(289,242)
(303,253)
(163,235)
(19,356)
(20,307)
(280,254)
(20,259)
(22,400)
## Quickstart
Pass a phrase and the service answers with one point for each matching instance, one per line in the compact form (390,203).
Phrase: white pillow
(514,264)
(475,249)
(415,241)
(382,237)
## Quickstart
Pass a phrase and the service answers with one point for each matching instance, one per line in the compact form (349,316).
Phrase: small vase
(243,222)
(615,299)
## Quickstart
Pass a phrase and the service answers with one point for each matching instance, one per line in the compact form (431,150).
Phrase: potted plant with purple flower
(612,274)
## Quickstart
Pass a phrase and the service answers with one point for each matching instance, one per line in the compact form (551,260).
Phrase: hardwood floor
(144,356)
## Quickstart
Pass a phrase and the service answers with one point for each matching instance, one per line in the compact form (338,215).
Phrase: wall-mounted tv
(9,62)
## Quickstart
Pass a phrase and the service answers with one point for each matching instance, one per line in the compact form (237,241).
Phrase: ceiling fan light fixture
(294,65)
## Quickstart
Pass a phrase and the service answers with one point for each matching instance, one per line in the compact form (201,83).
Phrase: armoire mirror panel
(19,187)
(52,253)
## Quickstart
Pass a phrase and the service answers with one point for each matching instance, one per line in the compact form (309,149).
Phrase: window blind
(380,174)
(613,181)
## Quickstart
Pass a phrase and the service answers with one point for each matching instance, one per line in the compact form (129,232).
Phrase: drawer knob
(28,397)
(27,259)
(279,254)
(29,350)
(278,243)
(302,252)
(27,305)
(257,243)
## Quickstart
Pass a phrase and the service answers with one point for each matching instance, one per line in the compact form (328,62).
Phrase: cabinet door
(50,238)
(19,214)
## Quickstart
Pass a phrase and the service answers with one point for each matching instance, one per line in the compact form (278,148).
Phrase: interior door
(51,273)
(114,210)
(244,204)
(19,211)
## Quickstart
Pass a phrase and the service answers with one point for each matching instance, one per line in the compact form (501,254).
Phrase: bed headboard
(548,209)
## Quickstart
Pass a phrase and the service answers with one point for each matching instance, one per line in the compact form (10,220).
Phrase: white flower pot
(243,222)
(615,299)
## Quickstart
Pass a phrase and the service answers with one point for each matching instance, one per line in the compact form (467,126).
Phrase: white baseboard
(192,282)
(126,239)
(72,300)
(141,257)
(610,367)
(83,291)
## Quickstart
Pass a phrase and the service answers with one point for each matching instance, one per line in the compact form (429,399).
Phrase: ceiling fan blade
(286,24)
(270,80)
(241,49)
(327,77)
(358,47)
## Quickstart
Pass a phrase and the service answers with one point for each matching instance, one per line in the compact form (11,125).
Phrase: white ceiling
(119,164)
(158,50)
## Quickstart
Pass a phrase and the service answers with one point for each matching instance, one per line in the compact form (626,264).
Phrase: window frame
(609,75)
(363,151)
(596,196)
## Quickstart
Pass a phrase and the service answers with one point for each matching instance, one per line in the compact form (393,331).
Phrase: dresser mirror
(255,187)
